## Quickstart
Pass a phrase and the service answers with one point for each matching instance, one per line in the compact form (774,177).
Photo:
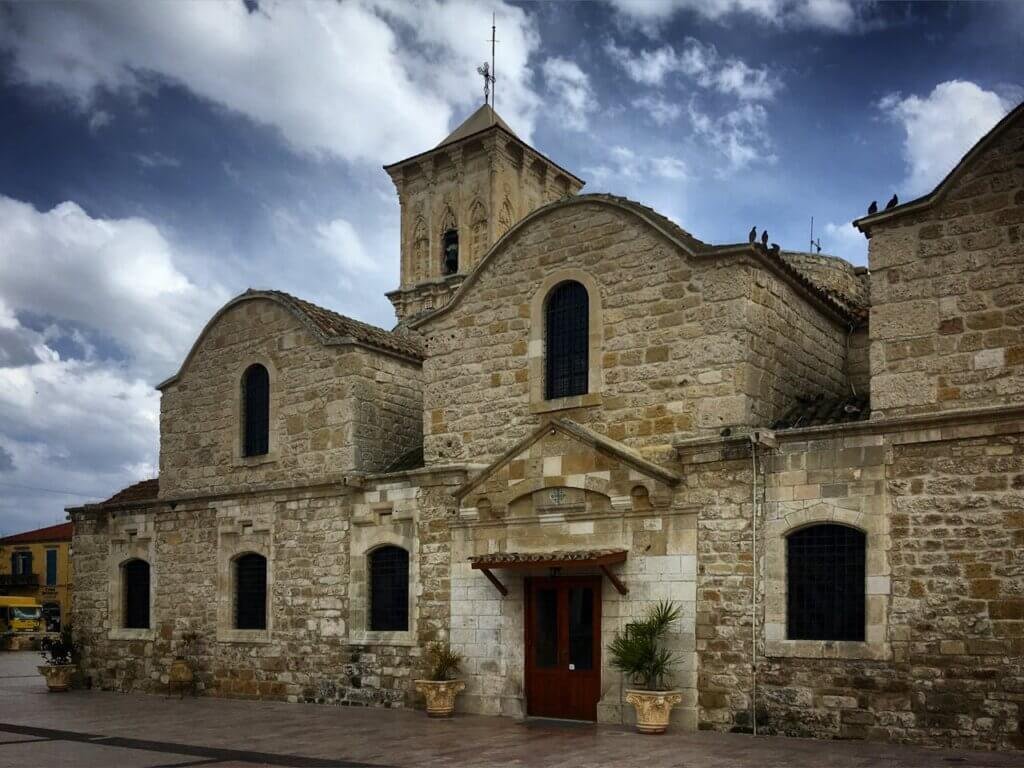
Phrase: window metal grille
(389,589)
(256,394)
(251,592)
(136,594)
(825,583)
(567,336)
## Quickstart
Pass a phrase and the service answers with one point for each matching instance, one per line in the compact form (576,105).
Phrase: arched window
(389,589)
(825,583)
(566,337)
(256,405)
(251,592)
(450,252)
(135,574)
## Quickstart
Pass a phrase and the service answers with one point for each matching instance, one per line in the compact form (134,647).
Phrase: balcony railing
(19,579)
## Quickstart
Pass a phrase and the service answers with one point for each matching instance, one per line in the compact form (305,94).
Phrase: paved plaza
(86,729)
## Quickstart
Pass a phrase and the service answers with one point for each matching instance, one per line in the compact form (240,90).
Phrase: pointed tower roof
(481,120)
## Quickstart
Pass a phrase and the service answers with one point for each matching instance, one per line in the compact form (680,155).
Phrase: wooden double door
(563,647)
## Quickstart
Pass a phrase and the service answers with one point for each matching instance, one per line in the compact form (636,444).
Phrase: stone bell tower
(459,198)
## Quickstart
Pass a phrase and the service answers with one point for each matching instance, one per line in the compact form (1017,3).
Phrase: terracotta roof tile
(412,459)
(143,491)
(820,410)
(508,558)
(61,532)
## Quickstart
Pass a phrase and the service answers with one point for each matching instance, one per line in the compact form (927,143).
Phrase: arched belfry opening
(450,252)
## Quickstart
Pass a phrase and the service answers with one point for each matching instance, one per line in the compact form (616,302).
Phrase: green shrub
(60,650)
(442,662)
(638,651)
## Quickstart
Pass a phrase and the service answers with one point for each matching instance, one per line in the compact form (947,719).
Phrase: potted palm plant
(61,656)
(640,653)
(439,688)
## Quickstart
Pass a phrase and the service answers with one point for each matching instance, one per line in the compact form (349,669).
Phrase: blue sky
(158,158)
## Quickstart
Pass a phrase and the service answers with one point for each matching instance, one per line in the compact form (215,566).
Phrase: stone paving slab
(93,728)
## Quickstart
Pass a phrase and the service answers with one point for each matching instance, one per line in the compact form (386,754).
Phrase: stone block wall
(333,409)
(941,505)
(947,291)
(310,651)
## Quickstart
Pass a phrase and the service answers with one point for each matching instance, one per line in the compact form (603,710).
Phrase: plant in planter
(61,656)
(639,652)
(439,688)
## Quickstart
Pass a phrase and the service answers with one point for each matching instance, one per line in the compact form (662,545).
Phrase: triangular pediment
(571,460)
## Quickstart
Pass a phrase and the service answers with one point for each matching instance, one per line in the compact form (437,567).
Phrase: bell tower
(459,198)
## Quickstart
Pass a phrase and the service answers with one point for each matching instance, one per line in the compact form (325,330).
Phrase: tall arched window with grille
(389,589)
(825,567)
(566,340)
(251,591)
(135,577)
(256,411)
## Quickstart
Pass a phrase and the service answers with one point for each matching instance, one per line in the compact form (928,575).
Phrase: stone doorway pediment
(563,468)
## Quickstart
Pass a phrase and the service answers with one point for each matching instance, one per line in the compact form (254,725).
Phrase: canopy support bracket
(494,580)
(615,580)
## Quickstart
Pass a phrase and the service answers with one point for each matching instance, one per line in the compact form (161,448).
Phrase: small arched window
(251,592)
(389,589)
(450,252)
(566,337)
(825,583)
(135,574)
(256,408)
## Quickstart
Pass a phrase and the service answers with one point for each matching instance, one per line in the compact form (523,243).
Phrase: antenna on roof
(815,244)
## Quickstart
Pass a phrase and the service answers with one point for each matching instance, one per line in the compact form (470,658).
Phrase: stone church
(585,409)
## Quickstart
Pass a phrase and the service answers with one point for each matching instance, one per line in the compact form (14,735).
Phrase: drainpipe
(766,438)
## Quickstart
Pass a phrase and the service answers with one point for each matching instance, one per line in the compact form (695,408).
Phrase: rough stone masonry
(730,398)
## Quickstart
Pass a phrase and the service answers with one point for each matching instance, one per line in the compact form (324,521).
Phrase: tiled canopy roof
(821,410)
(142,491)
(61,532)
(499,559)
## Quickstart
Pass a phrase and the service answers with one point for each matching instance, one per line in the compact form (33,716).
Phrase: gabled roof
(327,326)
(865,223)
(581,434)
(481,120)
(840,306)
(61,532)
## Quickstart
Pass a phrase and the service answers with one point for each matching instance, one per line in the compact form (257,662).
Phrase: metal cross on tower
(488,70)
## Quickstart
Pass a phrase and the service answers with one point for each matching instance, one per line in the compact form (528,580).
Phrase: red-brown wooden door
(563,647)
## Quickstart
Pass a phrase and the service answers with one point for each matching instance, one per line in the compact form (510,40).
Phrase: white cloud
(93,312)
(941,127)
(831,15)
(335,78)
(739,135)
(115,277)
(699,62)
(660,110)
(570,86)
(624,163)
(845,241)
(339,239)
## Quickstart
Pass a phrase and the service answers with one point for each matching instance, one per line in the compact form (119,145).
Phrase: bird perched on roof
(775,248)
(764,239)
(753,235)
(893,201)
(873,208)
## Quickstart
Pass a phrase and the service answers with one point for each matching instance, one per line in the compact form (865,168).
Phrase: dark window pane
(581,628)
(567,337)
(51,567)
(251,592)
(256,396)
(825,583)
(21,563)
(545,628)
(136,594)
(389,589)
(450,252)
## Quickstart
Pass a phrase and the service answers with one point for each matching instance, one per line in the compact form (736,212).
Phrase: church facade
(584,410)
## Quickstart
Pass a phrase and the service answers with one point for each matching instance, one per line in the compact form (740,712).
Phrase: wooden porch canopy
(580,558)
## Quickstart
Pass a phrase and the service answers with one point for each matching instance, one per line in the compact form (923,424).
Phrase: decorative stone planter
(653,708)
(58,678)
(440,695)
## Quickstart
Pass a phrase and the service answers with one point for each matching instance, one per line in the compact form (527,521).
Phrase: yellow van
(20,614)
